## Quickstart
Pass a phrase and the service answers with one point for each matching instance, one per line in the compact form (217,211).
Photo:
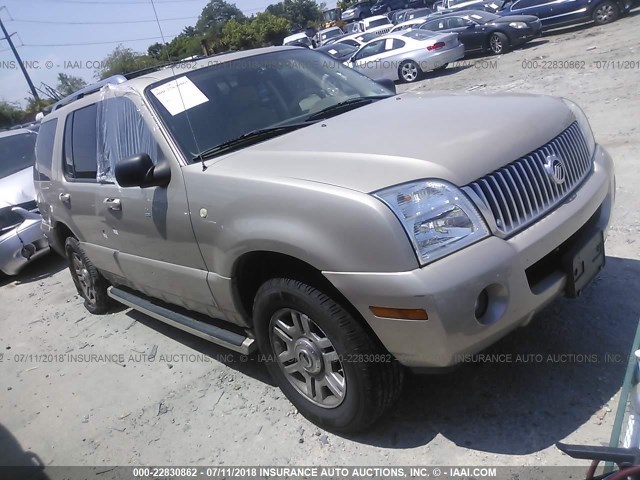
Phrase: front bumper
(12,245)
(525,35)
(448,288)
(346,16)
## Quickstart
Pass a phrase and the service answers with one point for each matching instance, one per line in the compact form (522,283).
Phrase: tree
(10,114)
(215,14)
(156,50)
(238,36)
(67,84)
(124,60)
(269,29)
(300,13)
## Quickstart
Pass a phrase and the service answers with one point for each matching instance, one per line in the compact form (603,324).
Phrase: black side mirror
(387,83)
(139,171)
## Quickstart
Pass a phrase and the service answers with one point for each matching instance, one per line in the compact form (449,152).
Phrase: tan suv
(275,199)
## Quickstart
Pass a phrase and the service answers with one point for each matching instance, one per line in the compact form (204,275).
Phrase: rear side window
(44,150)
(84,143)
(527,4)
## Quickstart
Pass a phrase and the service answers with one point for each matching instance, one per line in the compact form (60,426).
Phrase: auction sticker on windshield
(179,95)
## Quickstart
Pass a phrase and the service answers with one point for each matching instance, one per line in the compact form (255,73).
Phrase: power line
(88,2)
(7,37)
(51,22)
(93,43)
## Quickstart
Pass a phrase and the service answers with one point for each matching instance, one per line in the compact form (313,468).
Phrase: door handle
(65,197)
(113,203)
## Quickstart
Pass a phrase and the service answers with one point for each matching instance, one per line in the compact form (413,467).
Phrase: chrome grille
(523,191)
(383,31)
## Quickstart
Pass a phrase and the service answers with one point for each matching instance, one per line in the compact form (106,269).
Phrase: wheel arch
(254,268)
(59,234)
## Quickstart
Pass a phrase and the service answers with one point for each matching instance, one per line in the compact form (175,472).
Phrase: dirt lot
(173,399)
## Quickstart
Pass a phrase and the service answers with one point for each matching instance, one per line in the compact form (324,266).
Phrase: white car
(415,23)
(298,39)
(327,34)
(380,24)
(405,56)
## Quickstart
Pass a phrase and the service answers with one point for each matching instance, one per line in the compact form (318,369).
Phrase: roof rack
(117,79)
(83,92)
(162,66)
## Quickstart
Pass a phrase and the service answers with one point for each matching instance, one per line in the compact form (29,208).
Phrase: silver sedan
(406,55)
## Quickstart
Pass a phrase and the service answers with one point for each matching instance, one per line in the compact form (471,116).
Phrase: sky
(48,46)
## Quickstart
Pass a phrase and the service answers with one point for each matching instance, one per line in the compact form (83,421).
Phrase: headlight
(518,25)
(583,123)
(438,217)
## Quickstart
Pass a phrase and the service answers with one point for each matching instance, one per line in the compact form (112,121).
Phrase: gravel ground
(174,399)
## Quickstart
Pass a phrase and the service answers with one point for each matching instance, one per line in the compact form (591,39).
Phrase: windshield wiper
(251,137)
(345,105)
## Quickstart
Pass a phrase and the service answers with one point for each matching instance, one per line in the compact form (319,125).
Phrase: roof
(162,72)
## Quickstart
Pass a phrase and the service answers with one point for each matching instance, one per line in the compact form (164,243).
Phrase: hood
(455,137)
(17,188)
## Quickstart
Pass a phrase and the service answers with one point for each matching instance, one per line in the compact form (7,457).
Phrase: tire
(605,12)
(300,328)
(498,43)
(409,71)
(361,16)
(91,285)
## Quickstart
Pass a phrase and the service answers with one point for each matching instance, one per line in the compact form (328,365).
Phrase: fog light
(482,303)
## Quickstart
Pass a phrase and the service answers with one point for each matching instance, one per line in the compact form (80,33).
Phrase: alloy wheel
(307,358)
(496,44)
(409,72)
(605,13)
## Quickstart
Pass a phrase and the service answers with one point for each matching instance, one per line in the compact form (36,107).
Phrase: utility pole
(7,37)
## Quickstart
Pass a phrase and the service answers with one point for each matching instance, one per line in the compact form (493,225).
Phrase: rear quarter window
(44,150)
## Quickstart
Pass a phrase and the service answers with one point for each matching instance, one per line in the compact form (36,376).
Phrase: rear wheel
(498,43)
(606,12)
(409,71)
(91,285)
(323,360)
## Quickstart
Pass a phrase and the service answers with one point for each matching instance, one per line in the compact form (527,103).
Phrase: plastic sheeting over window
(121,132)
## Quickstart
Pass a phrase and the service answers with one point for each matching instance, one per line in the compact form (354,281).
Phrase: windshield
(481,17)
(17,152)
(338,49)
(233,98)
(379,22)
(301,39)
(330,33)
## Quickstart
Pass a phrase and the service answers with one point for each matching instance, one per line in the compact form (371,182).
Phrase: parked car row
(404,44)
(552,13)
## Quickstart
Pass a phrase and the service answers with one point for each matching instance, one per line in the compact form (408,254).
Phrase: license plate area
(583,261)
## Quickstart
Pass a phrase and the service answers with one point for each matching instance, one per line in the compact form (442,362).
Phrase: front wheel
(409,71)
(498,43)
(322,358)
(606,12)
